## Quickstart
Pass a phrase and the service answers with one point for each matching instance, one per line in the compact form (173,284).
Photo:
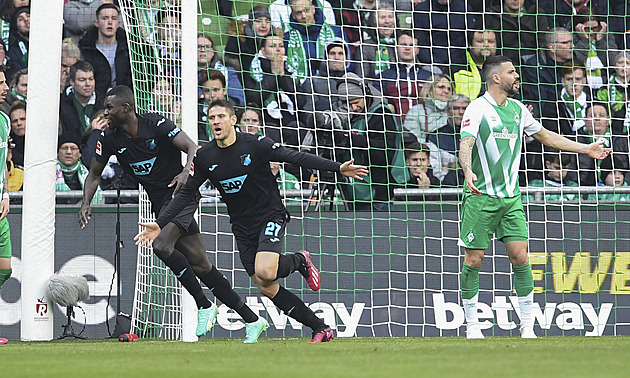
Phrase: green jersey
(496,154)
(5,128)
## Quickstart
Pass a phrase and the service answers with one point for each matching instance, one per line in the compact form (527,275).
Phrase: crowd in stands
(383,81)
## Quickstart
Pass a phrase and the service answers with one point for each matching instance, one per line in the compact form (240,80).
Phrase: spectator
(542,73)
(375,140)
(419,165)
(280,11)
(17,115)
(430,114)
(517,24)
(70,54)
(560,12)
(71,172)
(79,101)
(616,92)
(164,100)
(614,178)
(596,128)
(468,80)
(18,37)
(6,62)
(336,63)
(593,45)
(379,44)
(557,166)
(241,48)
(250,120)
(169,28)
(15,176)
(78,16)
(207,58)
(284,101)
(566,117)
(355,19)
(213,87)
(402,82)
(7,8)
(306,37)
(444,143)
(18,90)
(440,26)
(104,46)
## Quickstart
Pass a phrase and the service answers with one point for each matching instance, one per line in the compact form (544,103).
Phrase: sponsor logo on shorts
(274,240)
(233,185)
(142,168)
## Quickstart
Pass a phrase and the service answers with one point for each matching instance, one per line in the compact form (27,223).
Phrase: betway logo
(571,314)
(329,312)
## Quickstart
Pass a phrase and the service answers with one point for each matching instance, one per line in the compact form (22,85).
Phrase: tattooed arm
(465,155)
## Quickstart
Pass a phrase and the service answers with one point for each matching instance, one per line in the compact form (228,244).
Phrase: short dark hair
(592,104)
(401,32)
(123,93)
(415,147)
(17,105)
(80,65)
(491,65)
(223,104)
(211,74)
(558,157)
(107,6)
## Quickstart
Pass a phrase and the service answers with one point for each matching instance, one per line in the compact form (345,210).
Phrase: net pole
(38,217)
(189,125)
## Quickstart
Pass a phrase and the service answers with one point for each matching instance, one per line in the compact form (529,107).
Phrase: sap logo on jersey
(142,168)
(233,185)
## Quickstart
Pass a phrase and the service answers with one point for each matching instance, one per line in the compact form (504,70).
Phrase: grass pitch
(295,357)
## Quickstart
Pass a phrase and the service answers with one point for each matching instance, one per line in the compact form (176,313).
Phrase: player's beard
(512,89)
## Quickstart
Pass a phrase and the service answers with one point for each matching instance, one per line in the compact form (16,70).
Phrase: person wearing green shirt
(490,150)
(557,167)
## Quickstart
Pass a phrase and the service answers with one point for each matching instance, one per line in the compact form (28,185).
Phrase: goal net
(388,253)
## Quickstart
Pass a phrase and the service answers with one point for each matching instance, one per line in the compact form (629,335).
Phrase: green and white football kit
(495,160)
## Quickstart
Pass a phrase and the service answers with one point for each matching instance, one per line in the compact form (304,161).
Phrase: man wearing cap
(376,139)
(71,172)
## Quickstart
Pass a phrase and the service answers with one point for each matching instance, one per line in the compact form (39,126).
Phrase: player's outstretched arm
(355,171)
(557,141)
(89,188)
(148,235)
(465,155)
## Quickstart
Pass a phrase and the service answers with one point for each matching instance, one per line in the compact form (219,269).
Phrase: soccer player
(149,146)
(492,135)
(238,166)
(5,235)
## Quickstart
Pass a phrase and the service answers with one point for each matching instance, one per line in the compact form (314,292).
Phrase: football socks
(222,290)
